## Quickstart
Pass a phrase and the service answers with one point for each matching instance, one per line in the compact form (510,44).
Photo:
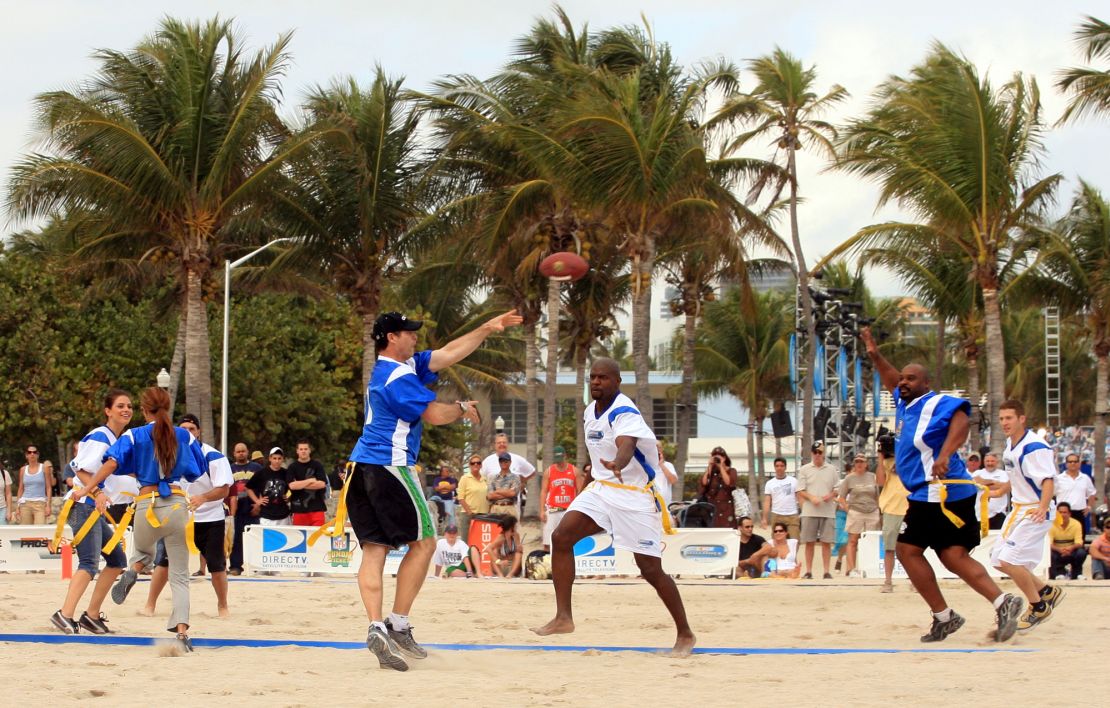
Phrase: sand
(762,614)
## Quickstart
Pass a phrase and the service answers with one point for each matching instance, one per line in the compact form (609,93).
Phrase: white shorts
(553,519)
(287,521)
(635,526)
(1022,542)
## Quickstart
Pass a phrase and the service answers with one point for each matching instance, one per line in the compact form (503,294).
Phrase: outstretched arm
(458,349)
(887,373)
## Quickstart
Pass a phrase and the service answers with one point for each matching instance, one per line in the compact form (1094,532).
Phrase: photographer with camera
(715,487)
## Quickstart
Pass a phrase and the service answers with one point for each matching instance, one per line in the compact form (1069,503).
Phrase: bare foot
(555,626)
(224,613)
(147,611)
(683,645)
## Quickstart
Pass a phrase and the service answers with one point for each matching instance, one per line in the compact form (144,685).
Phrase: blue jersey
(921,427)
(395,401)
(134,454)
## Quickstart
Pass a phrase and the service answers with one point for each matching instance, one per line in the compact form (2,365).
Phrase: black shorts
(208,536)
(926,526)
(386,506)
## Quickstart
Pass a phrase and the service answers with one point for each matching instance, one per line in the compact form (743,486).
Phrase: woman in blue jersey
(163,458)
(89,458)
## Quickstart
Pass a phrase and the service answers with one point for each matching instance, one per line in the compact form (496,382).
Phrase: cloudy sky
(46,45)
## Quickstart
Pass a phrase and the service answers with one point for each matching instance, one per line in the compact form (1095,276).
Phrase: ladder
(1052,367)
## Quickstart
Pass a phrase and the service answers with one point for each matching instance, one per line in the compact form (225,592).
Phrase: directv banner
(286,549)
(872,557)
(687,552)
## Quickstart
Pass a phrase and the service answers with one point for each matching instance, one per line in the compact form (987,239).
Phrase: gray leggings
(172,533)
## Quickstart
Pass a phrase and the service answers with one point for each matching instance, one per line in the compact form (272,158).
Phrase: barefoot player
(621,500)
(929,428)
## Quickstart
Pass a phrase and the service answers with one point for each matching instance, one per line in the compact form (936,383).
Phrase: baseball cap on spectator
(189,418)
(256,455)
(859,456)
(451,528)
(559,452)
(504,457)
(393,322)
(817,447)
(276,451)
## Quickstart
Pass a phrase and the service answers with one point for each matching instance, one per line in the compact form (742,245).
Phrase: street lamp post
(228,267)
(163,379)
(499,424)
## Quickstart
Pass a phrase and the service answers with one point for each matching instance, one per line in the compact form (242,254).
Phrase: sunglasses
(32,452)
(1073,462)
(475,462)
(779,531)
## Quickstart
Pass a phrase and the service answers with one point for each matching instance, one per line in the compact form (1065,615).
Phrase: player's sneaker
(183,642)
(67,625)
(1032,617)
(389,656)
(96,625)
(405,642)
(1008,614)
(123,586)
(1054,597)
(940,630)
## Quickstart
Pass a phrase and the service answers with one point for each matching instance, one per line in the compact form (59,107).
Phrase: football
(564,266)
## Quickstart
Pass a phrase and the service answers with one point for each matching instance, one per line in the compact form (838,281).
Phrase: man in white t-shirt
(1076,489)
(519,466)
(452,555)
(667,477)
(994,477)
(780,500)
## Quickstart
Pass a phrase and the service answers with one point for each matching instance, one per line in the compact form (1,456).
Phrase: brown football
(564,266)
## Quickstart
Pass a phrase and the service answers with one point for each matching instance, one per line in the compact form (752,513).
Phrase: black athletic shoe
(184,643)
(807,576)
(65,624)
(940,630)
(96,625)
(123,586)
(405,642)
(389,655)
(1008,615)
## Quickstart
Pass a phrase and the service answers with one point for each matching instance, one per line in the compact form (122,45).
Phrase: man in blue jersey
(621,500)
(930,427)
(385,497)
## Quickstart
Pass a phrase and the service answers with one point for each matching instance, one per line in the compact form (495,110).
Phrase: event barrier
(687,552)
(871,557)
(285,548)
(27,548)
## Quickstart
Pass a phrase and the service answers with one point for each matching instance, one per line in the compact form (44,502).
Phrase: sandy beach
(762,615)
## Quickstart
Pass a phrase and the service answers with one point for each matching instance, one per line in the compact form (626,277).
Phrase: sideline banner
(285,548)
(25,548)
(688,552)
(871,557)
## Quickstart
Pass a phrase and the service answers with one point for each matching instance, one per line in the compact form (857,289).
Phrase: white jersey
(784,495)
(449,554)
(663,484)
(602,428)
(1075,491)
(121,489)
(996,505)
(1028,464)
(519,466)
(219,474)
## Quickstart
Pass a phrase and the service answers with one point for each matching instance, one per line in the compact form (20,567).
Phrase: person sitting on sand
(505,551)
(784,555)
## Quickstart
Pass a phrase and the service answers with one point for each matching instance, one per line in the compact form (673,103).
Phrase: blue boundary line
(123,640)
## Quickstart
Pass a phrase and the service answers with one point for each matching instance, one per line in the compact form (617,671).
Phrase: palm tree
(358,193)
(169,145)
(1089,88)
(961,157)
(785,107)
(747,355)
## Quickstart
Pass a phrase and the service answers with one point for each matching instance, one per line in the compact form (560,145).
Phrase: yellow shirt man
(1064,537)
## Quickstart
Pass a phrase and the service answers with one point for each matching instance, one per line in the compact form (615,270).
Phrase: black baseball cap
(817,447)
(189,418)
(393,322)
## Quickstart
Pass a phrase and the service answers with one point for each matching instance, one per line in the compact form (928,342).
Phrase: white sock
(944,615)
(379,625)
(399,622)
(999,600)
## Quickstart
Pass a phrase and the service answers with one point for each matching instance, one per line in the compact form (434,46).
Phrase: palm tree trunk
(580,406)
(177,363)
(549,403)
(1102,392)
(751,460)
(686,405)
(973,395)
(198,362)
(809,349)
(939,366)
(996,361)
(531,383)
(369,356)
(641,327)
(756,485)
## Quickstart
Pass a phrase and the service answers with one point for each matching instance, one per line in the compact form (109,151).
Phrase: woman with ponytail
(163,458)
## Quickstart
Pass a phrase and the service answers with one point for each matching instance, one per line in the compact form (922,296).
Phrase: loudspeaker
(820,422)
(863,428)
(780,423)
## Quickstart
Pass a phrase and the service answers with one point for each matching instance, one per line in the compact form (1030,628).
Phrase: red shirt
(562,486)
